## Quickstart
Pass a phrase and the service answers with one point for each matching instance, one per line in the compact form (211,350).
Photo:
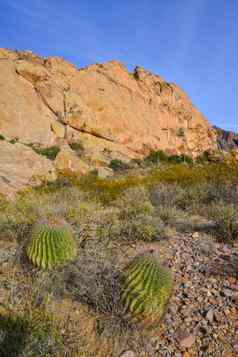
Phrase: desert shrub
(77,147)
(134,201)
(175,159)
(118,165)
(156,156)
(94,278)
(15,220)
(192,197)
(49,152)
(179,159)
(144,228)
(184,175)
(98,223)
(136,162)
(2,137)
(14,141)
(181,132)
(170,215)
(136,215)
(165,195)
(226,218)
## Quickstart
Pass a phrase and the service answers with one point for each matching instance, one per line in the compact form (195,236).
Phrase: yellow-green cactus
(52,244)
(147,289)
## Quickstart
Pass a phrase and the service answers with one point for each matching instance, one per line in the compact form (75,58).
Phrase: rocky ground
(202,317)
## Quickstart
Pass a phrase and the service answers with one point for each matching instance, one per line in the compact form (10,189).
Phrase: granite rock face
(21,167)
(138,111)
(227,140)
(111,113)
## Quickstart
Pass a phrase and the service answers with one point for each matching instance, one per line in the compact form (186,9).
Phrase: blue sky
(193,43)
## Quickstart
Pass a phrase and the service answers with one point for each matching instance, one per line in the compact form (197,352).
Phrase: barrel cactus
(147,288)
(52,244)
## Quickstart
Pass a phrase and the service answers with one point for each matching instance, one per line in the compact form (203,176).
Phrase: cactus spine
(51,244)
(147,289)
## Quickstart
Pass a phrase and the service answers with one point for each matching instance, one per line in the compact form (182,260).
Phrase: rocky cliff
(103,109)
(227,140)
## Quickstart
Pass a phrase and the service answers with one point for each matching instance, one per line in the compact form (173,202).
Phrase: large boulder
(67,160)
(21,167)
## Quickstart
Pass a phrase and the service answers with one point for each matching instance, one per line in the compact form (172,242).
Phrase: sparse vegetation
(14,141)
(178,159)
(181,132)
(49,152)
(77,147)
(113,220)
(118,165)
(225,216)
(157,156)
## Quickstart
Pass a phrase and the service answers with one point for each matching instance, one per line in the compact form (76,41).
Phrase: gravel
(202,316)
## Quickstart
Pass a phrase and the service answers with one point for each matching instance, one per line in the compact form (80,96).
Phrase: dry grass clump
(226,218)
(137,216)
(208,206)
(170,214)
(95,279)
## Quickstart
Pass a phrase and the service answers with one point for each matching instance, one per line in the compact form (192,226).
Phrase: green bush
(181,132)
(179,159)
(145,228)
(170,214)
(157,156)
(14,141)
(118,165)
(77,147)
(50,152)
(136,215)
(147,288)
(51,244)
(226,218)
